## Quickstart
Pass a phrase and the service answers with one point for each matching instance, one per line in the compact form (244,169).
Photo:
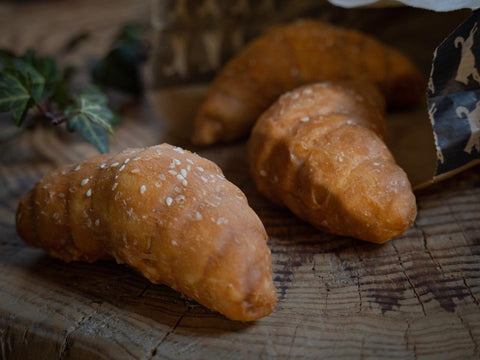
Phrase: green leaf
(91,115)
(93,133)
(6,57)
(46,68)
(120,68)
(14,95)
(61,94)
(37,80)
(94,95)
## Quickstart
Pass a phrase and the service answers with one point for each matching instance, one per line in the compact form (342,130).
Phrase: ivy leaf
(6,57)
(37,80)
(92,117)
(15,95)
(93,133)
(120,68)
(45,70)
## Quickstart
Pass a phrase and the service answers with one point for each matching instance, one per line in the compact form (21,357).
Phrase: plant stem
(55,118)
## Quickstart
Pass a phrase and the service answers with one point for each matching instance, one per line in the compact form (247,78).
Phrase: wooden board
(417,296)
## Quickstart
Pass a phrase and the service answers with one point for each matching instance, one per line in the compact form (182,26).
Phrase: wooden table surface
(416,297)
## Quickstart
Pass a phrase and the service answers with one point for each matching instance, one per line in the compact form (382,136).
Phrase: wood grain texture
(416,297)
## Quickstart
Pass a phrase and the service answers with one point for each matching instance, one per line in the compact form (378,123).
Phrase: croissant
(319,151)
(163,211)
(291,55)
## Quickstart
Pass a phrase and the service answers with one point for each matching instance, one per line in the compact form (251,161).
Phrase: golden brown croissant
(288,56)
(319,151)
(165,212)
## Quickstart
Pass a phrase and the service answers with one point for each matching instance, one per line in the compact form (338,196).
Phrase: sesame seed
(222,220)
(114,186)
(130,212)
(184,182)
(177,189)
(84,182)
(200,168)
(127,160)
(103,165)
(190,161)
(174,243)
(142,189)
(183,172)
(114,164)
(84,213)
(61,195)
(308,91)
(305,119)
(157,184)
(134,171)
(189,167)
(77,168)
(177,149)
(176,161)
(263,173)
(180,198)
(204,179)
(97,222)
(89,192)
(158,152)
(122,167)
(179,177)
(172,165)
(199,216)
(136,158)
(173,172)
(89,222)
(169,201)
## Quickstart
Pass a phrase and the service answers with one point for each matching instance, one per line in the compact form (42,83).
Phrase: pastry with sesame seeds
(200,238)
(294,54)
(333,170)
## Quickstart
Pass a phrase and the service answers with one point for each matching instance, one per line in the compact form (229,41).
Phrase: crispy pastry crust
(163,211)
(285,57)
(318,150)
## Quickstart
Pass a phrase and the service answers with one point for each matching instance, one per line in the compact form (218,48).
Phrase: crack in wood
(470,291)
(467,327)
(24,337)
(154,351)
(293,339)
(409,280)
(64,346)
(359,294)
(5,341)
(427,250)
(360,259)
(144,290)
